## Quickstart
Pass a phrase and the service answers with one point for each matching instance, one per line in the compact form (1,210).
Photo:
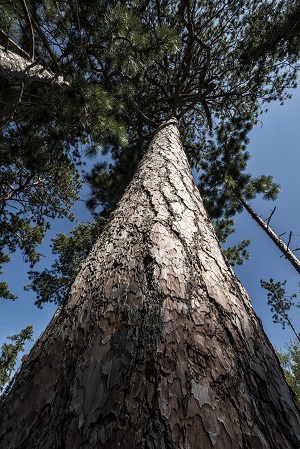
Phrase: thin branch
(289,241)
(141,115)
(9,44)
(269,218)
(199,99)
(32,44)
(287,253)
(46,43)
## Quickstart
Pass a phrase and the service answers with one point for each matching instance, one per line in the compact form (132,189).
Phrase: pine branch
(141,115)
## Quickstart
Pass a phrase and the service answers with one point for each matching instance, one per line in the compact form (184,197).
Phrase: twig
(268,219)
(45,42)
(26,12)
(290,236)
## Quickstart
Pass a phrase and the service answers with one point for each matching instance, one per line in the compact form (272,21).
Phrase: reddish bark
(157,345)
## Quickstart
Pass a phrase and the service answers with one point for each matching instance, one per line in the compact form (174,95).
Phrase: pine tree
(166,350)
(9,354)
(156,344)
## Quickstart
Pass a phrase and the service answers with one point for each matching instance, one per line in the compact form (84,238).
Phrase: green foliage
(46,129)
(237,254)
(223,228)
(52,285)
(223,180)
(10,352)
(36,185)
(290,362)
(129,65)
(278,32)
(4,290)
(280,303)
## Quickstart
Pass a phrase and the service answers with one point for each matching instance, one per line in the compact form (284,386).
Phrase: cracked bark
(15,66)
(157,346)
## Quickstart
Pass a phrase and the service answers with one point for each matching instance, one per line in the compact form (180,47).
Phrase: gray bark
(15,66)
(288,254)
(158,346)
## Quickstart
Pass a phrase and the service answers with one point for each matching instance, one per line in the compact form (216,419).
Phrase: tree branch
(46,43)
(14,66)
(26,12)
(141,115)
(199,99)
(9,44)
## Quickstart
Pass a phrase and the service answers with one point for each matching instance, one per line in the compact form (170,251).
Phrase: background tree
(290,361)
(9,354)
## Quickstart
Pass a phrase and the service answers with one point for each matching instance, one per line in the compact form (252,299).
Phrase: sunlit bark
(17,67)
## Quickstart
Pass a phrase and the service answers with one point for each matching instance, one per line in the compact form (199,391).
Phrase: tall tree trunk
(288,254)
(157,346)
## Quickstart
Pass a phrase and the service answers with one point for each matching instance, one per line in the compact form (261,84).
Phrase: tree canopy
(122,68)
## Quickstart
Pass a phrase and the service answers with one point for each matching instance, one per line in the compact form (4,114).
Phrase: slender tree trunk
(157,346)
(288,254)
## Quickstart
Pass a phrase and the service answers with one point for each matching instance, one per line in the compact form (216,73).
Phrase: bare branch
(32,44)
(142,116)
(269,218)
(46,43)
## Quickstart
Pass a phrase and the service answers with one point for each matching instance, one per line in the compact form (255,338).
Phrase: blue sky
(275,150)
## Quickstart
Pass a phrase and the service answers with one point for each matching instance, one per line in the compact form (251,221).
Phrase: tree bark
(15,66)
(288,254)
(157,346)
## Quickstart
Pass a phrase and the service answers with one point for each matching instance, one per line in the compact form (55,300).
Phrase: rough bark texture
(278,242)
(15,66)
(158,346)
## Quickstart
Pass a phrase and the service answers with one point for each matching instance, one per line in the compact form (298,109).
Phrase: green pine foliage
(52,285)
(223,182)
(47,130)
(278,32)
(9,354)
(237,254)
(37,185)
(290,362)
(127,66)
(280,303)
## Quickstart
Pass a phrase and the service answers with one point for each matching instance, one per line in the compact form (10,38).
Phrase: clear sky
(275,150)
